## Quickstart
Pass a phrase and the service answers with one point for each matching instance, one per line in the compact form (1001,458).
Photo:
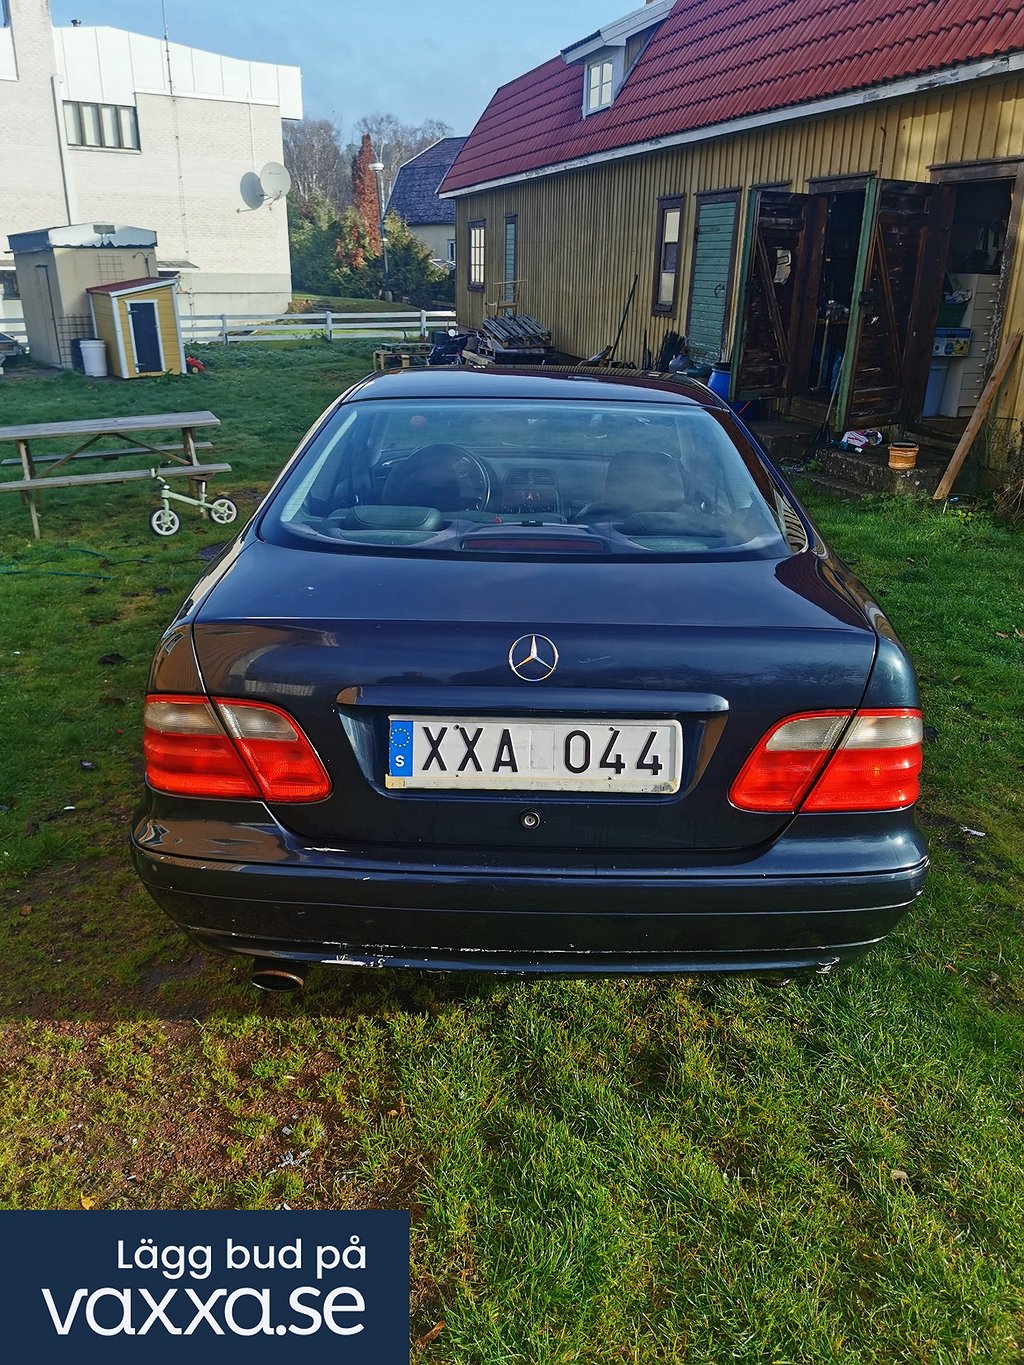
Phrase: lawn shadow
(106,952)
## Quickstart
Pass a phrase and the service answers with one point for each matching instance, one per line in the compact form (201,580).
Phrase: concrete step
(870,470)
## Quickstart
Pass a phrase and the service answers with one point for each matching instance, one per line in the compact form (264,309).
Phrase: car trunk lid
(345,642)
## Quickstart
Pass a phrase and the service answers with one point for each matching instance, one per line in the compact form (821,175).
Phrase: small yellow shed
(138,320)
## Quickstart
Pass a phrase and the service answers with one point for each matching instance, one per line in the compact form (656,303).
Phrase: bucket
(902,454)
(94,357)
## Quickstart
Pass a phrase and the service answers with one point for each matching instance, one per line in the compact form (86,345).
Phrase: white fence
(395,326)
(228,328)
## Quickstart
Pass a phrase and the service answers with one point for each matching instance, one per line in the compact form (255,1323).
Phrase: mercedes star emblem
(533,658)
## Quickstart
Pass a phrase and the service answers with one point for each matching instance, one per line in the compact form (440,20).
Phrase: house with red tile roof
(815,193)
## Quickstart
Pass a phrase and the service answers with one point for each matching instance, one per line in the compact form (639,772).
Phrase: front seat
(426,479)
(643,481)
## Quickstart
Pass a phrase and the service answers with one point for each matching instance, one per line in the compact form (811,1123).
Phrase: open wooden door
(773,259)
(897,291)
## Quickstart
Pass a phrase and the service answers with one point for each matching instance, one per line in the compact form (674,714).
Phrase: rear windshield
(469,477)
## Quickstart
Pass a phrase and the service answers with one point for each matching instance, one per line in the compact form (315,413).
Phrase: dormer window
(599,85)
(608,55)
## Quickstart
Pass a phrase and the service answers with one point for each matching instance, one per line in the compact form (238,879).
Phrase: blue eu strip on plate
(400,751)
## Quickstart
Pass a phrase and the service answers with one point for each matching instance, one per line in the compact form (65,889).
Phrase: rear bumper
(765,915)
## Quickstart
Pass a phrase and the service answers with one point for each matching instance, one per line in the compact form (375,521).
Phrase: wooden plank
(980,413)
(163,421)
(191,471)
(109,454)
(25,456)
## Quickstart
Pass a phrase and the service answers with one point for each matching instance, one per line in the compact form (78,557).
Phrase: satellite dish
(275,181)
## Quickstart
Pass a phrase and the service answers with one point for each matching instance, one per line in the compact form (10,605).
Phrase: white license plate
(481,753)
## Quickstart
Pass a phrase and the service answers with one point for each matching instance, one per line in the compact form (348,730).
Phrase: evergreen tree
(313,229)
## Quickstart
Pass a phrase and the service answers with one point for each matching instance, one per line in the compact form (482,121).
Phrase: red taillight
(875,766)
(231,749)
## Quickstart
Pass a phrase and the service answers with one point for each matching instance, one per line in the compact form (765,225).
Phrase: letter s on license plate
(534,755)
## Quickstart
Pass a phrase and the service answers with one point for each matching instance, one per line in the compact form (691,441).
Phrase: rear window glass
(466,477)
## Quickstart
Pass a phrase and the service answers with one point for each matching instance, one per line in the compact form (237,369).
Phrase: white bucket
(94,358)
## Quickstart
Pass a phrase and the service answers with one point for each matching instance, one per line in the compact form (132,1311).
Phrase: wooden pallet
(405,359)
(516,332)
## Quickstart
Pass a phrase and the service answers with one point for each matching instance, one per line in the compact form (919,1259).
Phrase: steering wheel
(442,475)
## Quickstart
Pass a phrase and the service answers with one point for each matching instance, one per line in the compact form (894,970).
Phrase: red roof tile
(713,61)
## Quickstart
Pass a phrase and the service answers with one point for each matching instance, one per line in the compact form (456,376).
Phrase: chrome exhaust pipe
(269,974)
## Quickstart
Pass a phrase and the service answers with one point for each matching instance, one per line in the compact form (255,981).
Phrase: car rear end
(537,760)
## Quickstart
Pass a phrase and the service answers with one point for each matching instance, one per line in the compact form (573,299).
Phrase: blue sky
(411,58)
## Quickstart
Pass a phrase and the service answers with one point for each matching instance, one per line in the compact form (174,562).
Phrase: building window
(599,85)
(101,125)
(9,285)
(451,250)
(476,253)
(666,253)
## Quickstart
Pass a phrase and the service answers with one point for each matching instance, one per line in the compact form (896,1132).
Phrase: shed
(138,320)
(56,266)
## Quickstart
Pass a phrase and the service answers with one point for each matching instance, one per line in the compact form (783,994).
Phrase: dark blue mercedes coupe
(532,673)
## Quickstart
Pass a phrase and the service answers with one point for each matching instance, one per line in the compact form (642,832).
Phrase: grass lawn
(621,1171)
(342,305)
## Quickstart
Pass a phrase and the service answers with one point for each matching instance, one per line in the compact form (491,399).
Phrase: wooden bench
(126,429)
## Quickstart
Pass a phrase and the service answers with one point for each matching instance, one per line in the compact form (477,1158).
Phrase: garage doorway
(986,207)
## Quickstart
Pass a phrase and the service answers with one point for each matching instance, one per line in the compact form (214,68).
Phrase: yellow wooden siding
(583,234)
(166,321)
(169,337)
(106,329)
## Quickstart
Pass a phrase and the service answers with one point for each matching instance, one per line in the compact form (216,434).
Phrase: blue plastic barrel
(719,380)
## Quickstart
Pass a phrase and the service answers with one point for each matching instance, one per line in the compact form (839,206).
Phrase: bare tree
(396,142)
(316,162)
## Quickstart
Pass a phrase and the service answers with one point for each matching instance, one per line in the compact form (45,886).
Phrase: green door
(711,278)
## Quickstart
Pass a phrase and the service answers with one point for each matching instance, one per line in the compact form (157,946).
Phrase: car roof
(627,386)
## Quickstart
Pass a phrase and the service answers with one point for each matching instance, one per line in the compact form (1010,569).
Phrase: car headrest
(645,479)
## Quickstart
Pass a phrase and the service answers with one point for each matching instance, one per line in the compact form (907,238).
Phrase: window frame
(109,120)
(600,64)
(667,203)
(472,282)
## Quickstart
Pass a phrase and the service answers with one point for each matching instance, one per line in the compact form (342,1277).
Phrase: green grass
(644,1171)
(342,305)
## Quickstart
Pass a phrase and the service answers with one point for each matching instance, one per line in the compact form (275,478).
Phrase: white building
(100,124)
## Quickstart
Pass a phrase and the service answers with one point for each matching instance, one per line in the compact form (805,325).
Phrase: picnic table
(182,454)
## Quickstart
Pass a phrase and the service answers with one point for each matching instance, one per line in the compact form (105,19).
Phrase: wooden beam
(24,454)
(978,417)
